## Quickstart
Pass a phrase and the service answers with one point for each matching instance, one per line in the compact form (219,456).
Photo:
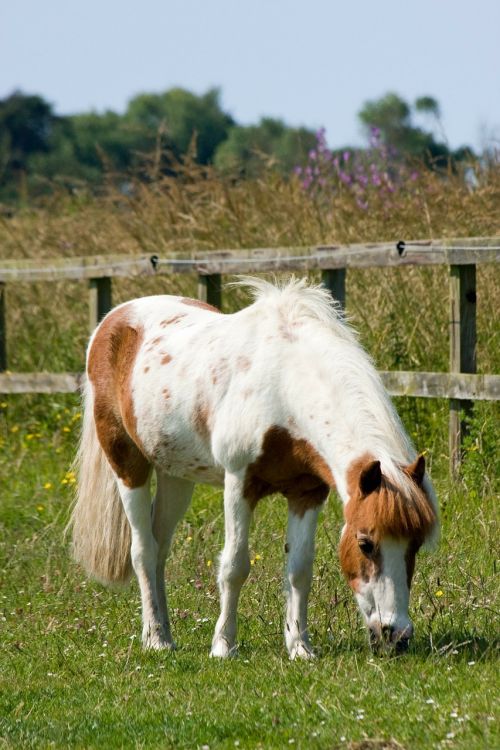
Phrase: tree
(25,123)
(179,116)
(247,149)
(393,117)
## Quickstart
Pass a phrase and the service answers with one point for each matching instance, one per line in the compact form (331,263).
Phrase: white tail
(100,530)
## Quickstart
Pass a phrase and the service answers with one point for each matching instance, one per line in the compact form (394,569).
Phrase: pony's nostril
(401,645)
(387,632)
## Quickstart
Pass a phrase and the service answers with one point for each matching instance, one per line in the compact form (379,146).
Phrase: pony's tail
(100,530)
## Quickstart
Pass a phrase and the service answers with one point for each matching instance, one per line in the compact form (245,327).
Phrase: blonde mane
(298,299)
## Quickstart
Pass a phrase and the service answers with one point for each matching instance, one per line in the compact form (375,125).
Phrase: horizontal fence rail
(260,260)
(398,383)
(461,385)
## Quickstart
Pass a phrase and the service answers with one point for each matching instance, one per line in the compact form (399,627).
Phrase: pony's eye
(366,546)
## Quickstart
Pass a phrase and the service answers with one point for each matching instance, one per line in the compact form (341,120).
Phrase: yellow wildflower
(14,428)
(66,429)
(40,508)
(209,563)
(47,486)
(439,593)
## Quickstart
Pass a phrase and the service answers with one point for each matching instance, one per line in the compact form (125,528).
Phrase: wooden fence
(461,385)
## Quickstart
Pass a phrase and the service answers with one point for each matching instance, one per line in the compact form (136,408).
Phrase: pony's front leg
(234,563)
(144,553)
(300,548)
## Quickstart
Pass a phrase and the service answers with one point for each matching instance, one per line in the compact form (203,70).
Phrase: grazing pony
(278,397)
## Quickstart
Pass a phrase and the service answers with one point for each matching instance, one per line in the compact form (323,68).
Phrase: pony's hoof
(302,650)
(222,650)
(156,642)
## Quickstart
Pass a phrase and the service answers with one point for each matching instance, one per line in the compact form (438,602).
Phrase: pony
(278,397)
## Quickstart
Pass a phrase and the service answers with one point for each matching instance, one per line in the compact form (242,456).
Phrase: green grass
(72,672)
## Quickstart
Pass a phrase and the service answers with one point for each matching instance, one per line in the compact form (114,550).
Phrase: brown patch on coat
(286,333)
(201,421)
(355,565)
(110,365)
(291,466)
(171,321)
(165,359)
(389,511)
(199,303)
(243,363)
(166,393)
(146,369)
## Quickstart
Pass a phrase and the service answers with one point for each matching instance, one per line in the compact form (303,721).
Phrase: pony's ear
(370,478)
(416,470)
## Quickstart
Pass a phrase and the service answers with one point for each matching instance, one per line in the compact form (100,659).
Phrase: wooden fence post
(462,350)
(3,330)
(99,300)
(210,289)
(334,280)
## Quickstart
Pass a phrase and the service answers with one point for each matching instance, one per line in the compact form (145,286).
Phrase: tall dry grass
(402,313)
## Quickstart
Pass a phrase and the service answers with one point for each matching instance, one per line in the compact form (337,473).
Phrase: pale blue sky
(311,63)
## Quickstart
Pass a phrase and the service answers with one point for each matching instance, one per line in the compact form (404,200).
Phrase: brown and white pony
(278,397)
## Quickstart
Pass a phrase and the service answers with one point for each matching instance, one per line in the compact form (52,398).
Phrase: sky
(308,62)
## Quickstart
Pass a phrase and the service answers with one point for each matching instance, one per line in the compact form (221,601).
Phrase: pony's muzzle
(389,637)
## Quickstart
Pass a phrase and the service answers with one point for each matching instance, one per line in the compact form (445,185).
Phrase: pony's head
(386,522)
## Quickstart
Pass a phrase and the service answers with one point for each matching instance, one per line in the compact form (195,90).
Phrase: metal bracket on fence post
(99,300)
(334,280)
(3,330)
(210,289)
(462,351)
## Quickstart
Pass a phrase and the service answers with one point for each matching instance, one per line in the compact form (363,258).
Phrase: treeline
(40,150)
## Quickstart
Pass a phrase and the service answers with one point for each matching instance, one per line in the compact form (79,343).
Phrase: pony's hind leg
(172,499)
(300,548)
(234,564)
(144,553)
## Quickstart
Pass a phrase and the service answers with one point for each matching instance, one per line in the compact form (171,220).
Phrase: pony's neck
(346,413)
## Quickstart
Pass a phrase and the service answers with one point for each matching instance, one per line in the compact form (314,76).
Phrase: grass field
(72,672)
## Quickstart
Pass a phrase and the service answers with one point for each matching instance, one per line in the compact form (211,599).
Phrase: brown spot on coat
(243,363)
(199,303)
(110,365)
(165,359)
(291,466)
(146,369)
(201,421)
(166,393)
(355,565)
(171,321)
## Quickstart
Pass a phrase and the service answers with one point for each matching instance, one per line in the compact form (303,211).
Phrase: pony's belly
(192,461)
(201,474)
